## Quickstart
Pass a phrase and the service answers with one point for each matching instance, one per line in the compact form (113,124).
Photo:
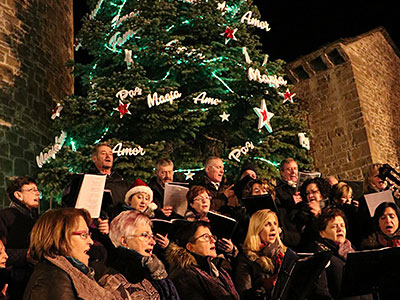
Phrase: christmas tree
(178,79)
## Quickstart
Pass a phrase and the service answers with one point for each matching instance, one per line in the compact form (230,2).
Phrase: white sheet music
(175,196)
(373,200)
(91,194)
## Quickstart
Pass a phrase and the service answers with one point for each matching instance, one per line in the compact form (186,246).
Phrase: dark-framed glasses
(206,238)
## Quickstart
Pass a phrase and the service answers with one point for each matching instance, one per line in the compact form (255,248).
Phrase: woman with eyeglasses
(132,254)
(195,269)
(263,251)
(60,241)
(199,201)
(16,223)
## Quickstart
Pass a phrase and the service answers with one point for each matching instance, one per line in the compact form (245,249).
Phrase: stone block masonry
(36,40)
(350,90)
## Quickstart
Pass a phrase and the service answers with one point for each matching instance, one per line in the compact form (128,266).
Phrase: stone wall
(36,40)
(349,90)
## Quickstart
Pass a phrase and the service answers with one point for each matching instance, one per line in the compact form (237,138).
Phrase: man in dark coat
(287,199)
(16,223)
(103,160)
(286,195)
(164,173)
(213,180)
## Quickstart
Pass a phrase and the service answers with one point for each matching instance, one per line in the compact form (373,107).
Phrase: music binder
(164,227)
(374,272)
(240,185)
(222,226)
(298,273)
(259,202)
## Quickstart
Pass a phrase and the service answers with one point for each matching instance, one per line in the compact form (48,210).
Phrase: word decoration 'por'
(236,153)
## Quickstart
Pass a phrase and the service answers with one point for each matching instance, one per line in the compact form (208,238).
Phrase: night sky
(301,27)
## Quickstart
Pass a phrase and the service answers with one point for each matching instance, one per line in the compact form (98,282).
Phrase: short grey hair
(126,224)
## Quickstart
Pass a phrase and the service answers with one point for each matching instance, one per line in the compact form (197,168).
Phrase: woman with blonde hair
(372,182)
(263,251)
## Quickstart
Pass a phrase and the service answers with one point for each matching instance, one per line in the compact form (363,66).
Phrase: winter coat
(16,223)
(251,277)
(284,195)
(198,277)
(136,268)
(57,278)
(158,192)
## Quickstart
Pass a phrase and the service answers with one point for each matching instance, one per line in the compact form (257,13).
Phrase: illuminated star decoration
(56,111)
(288,96)
(224,117)
(123,109)
(264,116)
(229,34)
(222,7)
(189,175)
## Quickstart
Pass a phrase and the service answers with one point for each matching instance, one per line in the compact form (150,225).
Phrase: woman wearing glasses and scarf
(132,254)
(194,267)
(60,240)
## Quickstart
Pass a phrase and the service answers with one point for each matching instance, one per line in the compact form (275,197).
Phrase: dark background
(301,27)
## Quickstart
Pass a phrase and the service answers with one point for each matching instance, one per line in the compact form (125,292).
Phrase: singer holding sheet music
(386,221)
(257,267)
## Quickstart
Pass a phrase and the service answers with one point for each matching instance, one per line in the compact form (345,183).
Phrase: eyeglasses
(201,199)
(144,237)
(83,234)
(206,238)
(31,190)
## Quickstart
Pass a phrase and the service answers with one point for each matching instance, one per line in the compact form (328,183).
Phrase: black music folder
(374,272)
(298,273)
(222,226)
(256,203)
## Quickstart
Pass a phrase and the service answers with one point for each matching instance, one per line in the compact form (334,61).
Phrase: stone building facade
(351,91)
(36,40)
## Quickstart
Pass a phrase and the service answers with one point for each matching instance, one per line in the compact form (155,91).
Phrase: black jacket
(158,192)
(195,279)
(129,263)
(249,279)
(47,275)
(16,223)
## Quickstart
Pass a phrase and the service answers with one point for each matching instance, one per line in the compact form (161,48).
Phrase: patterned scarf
(389,241)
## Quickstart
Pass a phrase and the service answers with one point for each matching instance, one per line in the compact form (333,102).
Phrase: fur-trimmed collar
(180,258)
